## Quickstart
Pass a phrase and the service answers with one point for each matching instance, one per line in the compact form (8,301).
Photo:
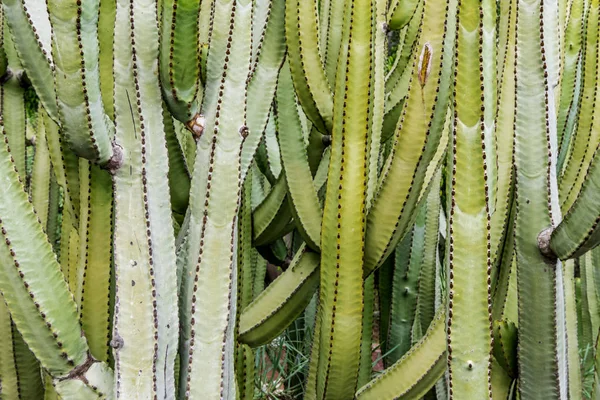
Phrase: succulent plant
(183,180)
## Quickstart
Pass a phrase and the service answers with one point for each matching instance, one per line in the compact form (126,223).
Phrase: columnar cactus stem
(342,241)
(538,285)
(209,284)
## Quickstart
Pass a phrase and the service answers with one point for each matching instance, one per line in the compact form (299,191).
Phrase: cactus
(221,175)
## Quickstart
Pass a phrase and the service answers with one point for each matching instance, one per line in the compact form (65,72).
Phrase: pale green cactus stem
(268,55)
(208,306)
(64,164)
(13,103)
(306,208)
(180,60)
(469,322)
(33,52)
(415,373)
(146,322)
(106,23)
(587,136)
(377,103)
(34,288)
(398,79)
(541,364)
(282,301)
(312,87)
(93,274)
(578,232)
(573,36)
(245,357)
(572,322)
(19,369)
(365,368)
(392,212)
(342,242)
(331,19)
(501,233)
(427,270)
(84,123)
(401,12)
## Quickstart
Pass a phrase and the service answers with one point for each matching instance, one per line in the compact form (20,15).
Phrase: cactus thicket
(402,196)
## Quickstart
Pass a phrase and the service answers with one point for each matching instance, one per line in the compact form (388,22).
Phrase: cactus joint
(196,125)
(116,160)
(543,240)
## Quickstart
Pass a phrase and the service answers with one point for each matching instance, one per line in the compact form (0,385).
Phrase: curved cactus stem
(19,369)
(75,50)
(401,12)
(36,59)
(587,136)
(306,64)
(539,280)
(94,383)
(8,371)
(31,281)
(272,216)
(281,302)
(306,208)
(146,322)
(263,80)
(579,232)
(415,373)
(399,79)
(180,58)
(402,68)
(571,55)
(505,346)
(390,216)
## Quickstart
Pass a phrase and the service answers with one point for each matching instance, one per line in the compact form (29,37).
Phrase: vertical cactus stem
(209,284)
(542,363)
(469,286)
(93,282)
(342,240)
